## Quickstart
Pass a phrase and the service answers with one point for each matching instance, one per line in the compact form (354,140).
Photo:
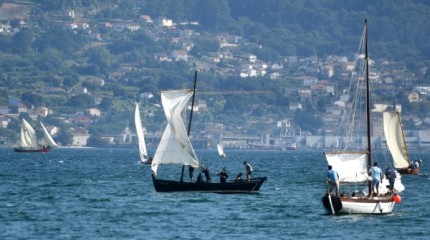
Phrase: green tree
(101,57)
(64,137)
(30,98)
(22,41)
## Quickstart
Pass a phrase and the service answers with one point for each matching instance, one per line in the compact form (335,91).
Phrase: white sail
(175,146)
(48,139)
(220,150)
(351,167)
(396,140)
(28,135)
(139,131)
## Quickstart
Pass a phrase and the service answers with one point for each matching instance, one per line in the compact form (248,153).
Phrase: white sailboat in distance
(143,153)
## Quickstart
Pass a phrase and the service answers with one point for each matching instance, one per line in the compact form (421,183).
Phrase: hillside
(72,56)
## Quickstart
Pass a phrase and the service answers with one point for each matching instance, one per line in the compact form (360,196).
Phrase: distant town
(309,79)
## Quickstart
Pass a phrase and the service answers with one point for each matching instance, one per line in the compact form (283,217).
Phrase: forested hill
(399,29)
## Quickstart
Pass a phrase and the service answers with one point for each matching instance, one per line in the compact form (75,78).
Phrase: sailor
(376,178)
(205,171)
(199,178)
(239,177)
(390,174)
(333,180)
(190,172)
(223,176)
(249,170)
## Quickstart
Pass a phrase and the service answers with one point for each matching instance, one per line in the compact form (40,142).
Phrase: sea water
(108,194)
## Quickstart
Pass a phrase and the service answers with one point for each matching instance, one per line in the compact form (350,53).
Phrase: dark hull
(335,201)
(231,187)
(415,171)
(32,150)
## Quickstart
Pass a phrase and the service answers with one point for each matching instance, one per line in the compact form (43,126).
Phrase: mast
(369,143)
(191,118)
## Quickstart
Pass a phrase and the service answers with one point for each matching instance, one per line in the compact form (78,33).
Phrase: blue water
(107,194)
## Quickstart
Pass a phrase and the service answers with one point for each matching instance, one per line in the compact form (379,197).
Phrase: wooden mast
(369,142)
(191,118)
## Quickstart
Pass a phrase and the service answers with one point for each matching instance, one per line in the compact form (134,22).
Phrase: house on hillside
(295,105)
(306,80)
(22,108)
(95,112)
(413,97)
(4,110)
(4,121)
(80,137)
(178,55)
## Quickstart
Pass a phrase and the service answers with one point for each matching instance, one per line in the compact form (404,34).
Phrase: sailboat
(397,144)
(175,148)
(143,153)
(220,149)
(28,139)
(353,165)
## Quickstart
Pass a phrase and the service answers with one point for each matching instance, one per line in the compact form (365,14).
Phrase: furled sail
(351,167)
(48,139)
(139,131)
(175,146)
(395,139)
(28,135)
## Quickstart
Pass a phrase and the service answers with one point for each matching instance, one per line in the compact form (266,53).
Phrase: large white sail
(28,135)
(395,139)
(351,167)
(139,131)
(175,146)
(48,139)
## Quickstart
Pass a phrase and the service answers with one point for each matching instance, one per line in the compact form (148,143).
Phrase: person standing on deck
(190,172)
(248,170)
(390,174)
(333,180)
(376,178)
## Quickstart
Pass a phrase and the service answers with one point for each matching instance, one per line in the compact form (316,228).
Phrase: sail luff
(28,135)
(48,139)
(395,140)
(143,154)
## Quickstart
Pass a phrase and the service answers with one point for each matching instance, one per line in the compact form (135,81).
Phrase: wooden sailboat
(397,144)
(220,149)
(143,153)
(28,139)
(175,148)
(353,166)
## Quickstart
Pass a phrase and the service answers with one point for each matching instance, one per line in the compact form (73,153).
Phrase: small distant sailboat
(397,144)
(221,152)
(143,153)
(28,140)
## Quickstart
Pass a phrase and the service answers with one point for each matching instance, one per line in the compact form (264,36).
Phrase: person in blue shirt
(376,178)
(333,180)
(390,174)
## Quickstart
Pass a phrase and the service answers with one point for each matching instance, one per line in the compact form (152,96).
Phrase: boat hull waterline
(35,150)
(230,187)
(358,205)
